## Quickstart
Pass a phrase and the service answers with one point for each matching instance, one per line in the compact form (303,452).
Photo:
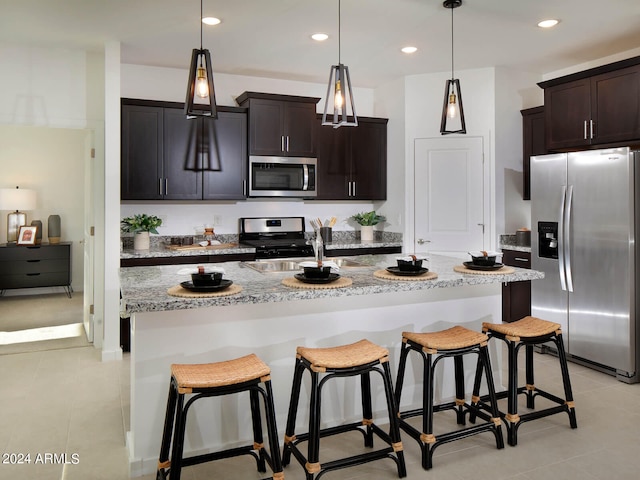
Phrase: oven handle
(305,170)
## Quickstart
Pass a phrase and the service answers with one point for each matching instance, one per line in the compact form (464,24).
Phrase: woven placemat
(384,274)
(295,283)
(179,291)
(501,271)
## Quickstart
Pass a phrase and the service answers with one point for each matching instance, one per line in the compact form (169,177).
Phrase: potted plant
(367,220)
(141,226)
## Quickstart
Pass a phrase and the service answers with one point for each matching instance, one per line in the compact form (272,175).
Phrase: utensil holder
(326,234)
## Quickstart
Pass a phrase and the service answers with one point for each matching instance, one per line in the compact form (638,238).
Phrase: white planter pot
(366,233)
(141,241)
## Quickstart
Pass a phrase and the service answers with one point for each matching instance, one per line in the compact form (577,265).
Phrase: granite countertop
(508,242)
(144,289)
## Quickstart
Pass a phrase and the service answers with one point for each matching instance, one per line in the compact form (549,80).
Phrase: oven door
(282,177)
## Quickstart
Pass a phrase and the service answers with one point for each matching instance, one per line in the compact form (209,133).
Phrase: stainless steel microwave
(282,177)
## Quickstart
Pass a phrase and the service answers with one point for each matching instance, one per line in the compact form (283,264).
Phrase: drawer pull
(33,274)
(33,261)
(520,259)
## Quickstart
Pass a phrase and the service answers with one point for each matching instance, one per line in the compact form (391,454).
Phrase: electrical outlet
(217,219)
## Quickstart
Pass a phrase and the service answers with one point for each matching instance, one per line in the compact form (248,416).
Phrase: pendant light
(200,91)
(452,111)
(339,94)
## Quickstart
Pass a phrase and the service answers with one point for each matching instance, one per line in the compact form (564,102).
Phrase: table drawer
(27,280)
(515,258)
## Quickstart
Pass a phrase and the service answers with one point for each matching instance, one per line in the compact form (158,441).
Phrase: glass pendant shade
(452,111)
(340,96)
(201,95)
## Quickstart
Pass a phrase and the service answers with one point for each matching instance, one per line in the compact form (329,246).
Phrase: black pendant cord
(201,12)
(452,76)
(339,29)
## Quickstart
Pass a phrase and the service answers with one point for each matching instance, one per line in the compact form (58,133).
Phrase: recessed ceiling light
(409,49)
(211,21)
(319,37)
(548,23)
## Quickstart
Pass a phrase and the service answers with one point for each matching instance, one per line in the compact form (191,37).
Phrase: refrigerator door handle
(561,269)
(567,236)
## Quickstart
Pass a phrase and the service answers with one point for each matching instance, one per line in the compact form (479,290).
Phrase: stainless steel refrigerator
(584,209)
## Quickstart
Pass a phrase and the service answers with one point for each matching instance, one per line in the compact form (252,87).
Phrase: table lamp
(16,199)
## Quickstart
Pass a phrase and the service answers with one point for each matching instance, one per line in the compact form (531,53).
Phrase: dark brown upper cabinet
(167,157)
(597,107)
(352,161)
(280,125)
(533,143)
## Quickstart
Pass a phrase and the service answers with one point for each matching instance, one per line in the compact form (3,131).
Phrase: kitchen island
(271,319)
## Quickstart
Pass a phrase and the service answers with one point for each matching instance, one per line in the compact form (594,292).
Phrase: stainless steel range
(275,237)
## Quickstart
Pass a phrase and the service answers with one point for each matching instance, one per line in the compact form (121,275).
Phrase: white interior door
(449,195)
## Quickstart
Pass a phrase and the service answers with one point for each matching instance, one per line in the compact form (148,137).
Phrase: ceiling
(271,38)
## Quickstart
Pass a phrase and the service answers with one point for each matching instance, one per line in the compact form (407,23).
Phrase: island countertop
(144,289)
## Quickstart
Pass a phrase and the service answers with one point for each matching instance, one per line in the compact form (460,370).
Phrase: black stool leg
(272,429)
(458,363)
(256,420)
(293,411)
(313,455)
(404,351)
(483,357)
(568,394)
(394,424)
(427,416)
(367,409)
(530,385)
(178,439)
(475,395)
(165,446)
(512,389)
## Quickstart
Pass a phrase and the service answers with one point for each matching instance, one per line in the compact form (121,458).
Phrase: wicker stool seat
(361,359)
(453,343)
(247,373)
(528,332)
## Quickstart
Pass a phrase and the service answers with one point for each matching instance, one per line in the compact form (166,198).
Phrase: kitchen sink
(291,265)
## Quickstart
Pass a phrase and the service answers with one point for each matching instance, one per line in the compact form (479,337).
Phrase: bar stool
(360,358)
(212,380)
(528,332)
(454,342)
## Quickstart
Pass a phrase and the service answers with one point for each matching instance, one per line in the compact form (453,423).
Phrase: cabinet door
(141,152)
(266,126)
(333,162)
(516,296)
(182,179)
(533,143)
(615,98)
(368,161)
(299,122)
(225,161)
(567,114)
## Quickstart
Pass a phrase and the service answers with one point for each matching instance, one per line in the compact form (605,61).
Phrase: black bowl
(206,279)
(483,261)
(317,272)
(409,266)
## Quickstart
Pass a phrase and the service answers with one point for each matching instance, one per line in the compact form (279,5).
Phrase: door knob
(422,241)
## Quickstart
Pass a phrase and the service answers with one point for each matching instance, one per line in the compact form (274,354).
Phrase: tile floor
(68,401)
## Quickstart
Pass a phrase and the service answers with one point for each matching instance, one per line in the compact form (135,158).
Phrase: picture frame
(27,235)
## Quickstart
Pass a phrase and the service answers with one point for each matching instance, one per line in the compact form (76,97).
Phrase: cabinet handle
(32,274)
(349,186)
(591,128)
(520,259)
(166,186)
(33,261)
(354,189)
(160,186)
(282,143)
(287,143)
(244,187)
(585,129)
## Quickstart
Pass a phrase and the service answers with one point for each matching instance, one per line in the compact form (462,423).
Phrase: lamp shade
(17,199)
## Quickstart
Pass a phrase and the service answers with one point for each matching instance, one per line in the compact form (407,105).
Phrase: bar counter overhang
(271,320)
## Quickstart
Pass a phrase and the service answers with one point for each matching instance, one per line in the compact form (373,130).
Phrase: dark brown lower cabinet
(516,296)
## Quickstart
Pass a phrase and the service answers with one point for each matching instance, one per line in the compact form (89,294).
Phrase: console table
(45,265)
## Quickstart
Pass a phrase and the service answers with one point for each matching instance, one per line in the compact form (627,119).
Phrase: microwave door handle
(567,236)
(561,216)
(305,177)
